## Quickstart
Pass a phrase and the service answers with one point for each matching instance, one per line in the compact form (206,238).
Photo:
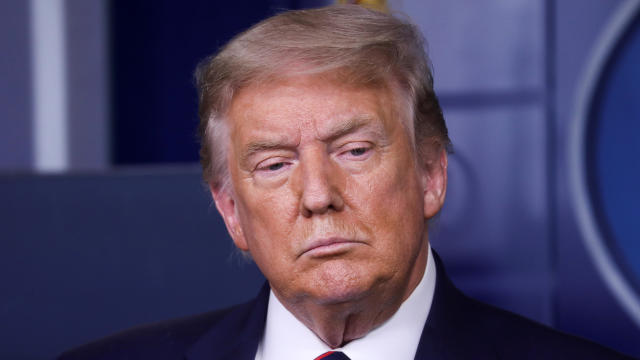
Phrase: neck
(337,324)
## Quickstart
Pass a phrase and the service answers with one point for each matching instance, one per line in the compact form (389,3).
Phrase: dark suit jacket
(457,328)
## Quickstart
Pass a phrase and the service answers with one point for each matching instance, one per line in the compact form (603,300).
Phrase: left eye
(276,166)
(358,151)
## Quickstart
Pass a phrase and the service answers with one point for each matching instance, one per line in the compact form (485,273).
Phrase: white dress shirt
(286,338)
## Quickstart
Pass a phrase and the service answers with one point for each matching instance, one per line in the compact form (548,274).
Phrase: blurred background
(105,224)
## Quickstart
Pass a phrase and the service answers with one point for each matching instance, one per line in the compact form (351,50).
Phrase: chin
(341,285)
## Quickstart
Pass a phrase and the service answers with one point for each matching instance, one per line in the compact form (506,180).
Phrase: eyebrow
(351,125)
(344,128)
(266,145)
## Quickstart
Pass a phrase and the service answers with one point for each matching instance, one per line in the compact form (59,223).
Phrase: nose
(319,185)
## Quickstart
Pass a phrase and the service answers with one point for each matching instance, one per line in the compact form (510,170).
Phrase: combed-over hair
(364,47)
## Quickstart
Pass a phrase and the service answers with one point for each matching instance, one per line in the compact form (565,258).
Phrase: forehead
(308,102)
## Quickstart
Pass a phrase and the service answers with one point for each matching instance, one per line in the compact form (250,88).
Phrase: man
(325,150)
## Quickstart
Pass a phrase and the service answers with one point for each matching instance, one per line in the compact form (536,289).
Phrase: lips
(329,247)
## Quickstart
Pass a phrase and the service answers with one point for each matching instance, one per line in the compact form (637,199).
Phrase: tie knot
(333,355)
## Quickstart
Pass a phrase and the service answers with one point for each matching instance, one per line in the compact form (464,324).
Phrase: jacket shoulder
(460,327)
(162,340)
(515,337)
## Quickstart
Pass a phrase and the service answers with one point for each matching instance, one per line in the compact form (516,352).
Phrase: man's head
(325,150)
(364,47)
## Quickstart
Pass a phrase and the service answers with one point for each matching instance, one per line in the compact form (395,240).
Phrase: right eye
(276,166)
(272,165)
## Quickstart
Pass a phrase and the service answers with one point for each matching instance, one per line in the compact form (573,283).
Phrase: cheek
(390,202)
(393,186)
(263,230)
(266,216)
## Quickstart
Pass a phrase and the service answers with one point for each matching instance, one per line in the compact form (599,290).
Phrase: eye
(276,166)
(358,151)
(272,165)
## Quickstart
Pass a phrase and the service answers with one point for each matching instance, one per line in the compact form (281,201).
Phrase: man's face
(326,192)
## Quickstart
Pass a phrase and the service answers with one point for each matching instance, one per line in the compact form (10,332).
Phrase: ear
(434,181)
(226,205)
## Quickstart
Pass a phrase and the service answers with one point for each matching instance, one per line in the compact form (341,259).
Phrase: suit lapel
(237,335)
(433,345)
(448,333)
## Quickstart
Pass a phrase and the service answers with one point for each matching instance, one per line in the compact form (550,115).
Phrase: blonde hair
(367,48)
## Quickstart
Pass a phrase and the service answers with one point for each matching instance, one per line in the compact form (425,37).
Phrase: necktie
(333,355)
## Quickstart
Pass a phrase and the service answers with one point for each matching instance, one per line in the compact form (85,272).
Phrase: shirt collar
(286,338)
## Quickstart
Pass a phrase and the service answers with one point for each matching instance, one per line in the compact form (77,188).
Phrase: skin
(328,196)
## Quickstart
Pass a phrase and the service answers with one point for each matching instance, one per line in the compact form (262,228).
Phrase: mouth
(329,247)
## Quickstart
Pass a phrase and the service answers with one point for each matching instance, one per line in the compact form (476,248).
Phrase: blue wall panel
(87,255)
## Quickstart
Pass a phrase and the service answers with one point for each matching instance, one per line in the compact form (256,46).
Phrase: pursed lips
(328,246)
